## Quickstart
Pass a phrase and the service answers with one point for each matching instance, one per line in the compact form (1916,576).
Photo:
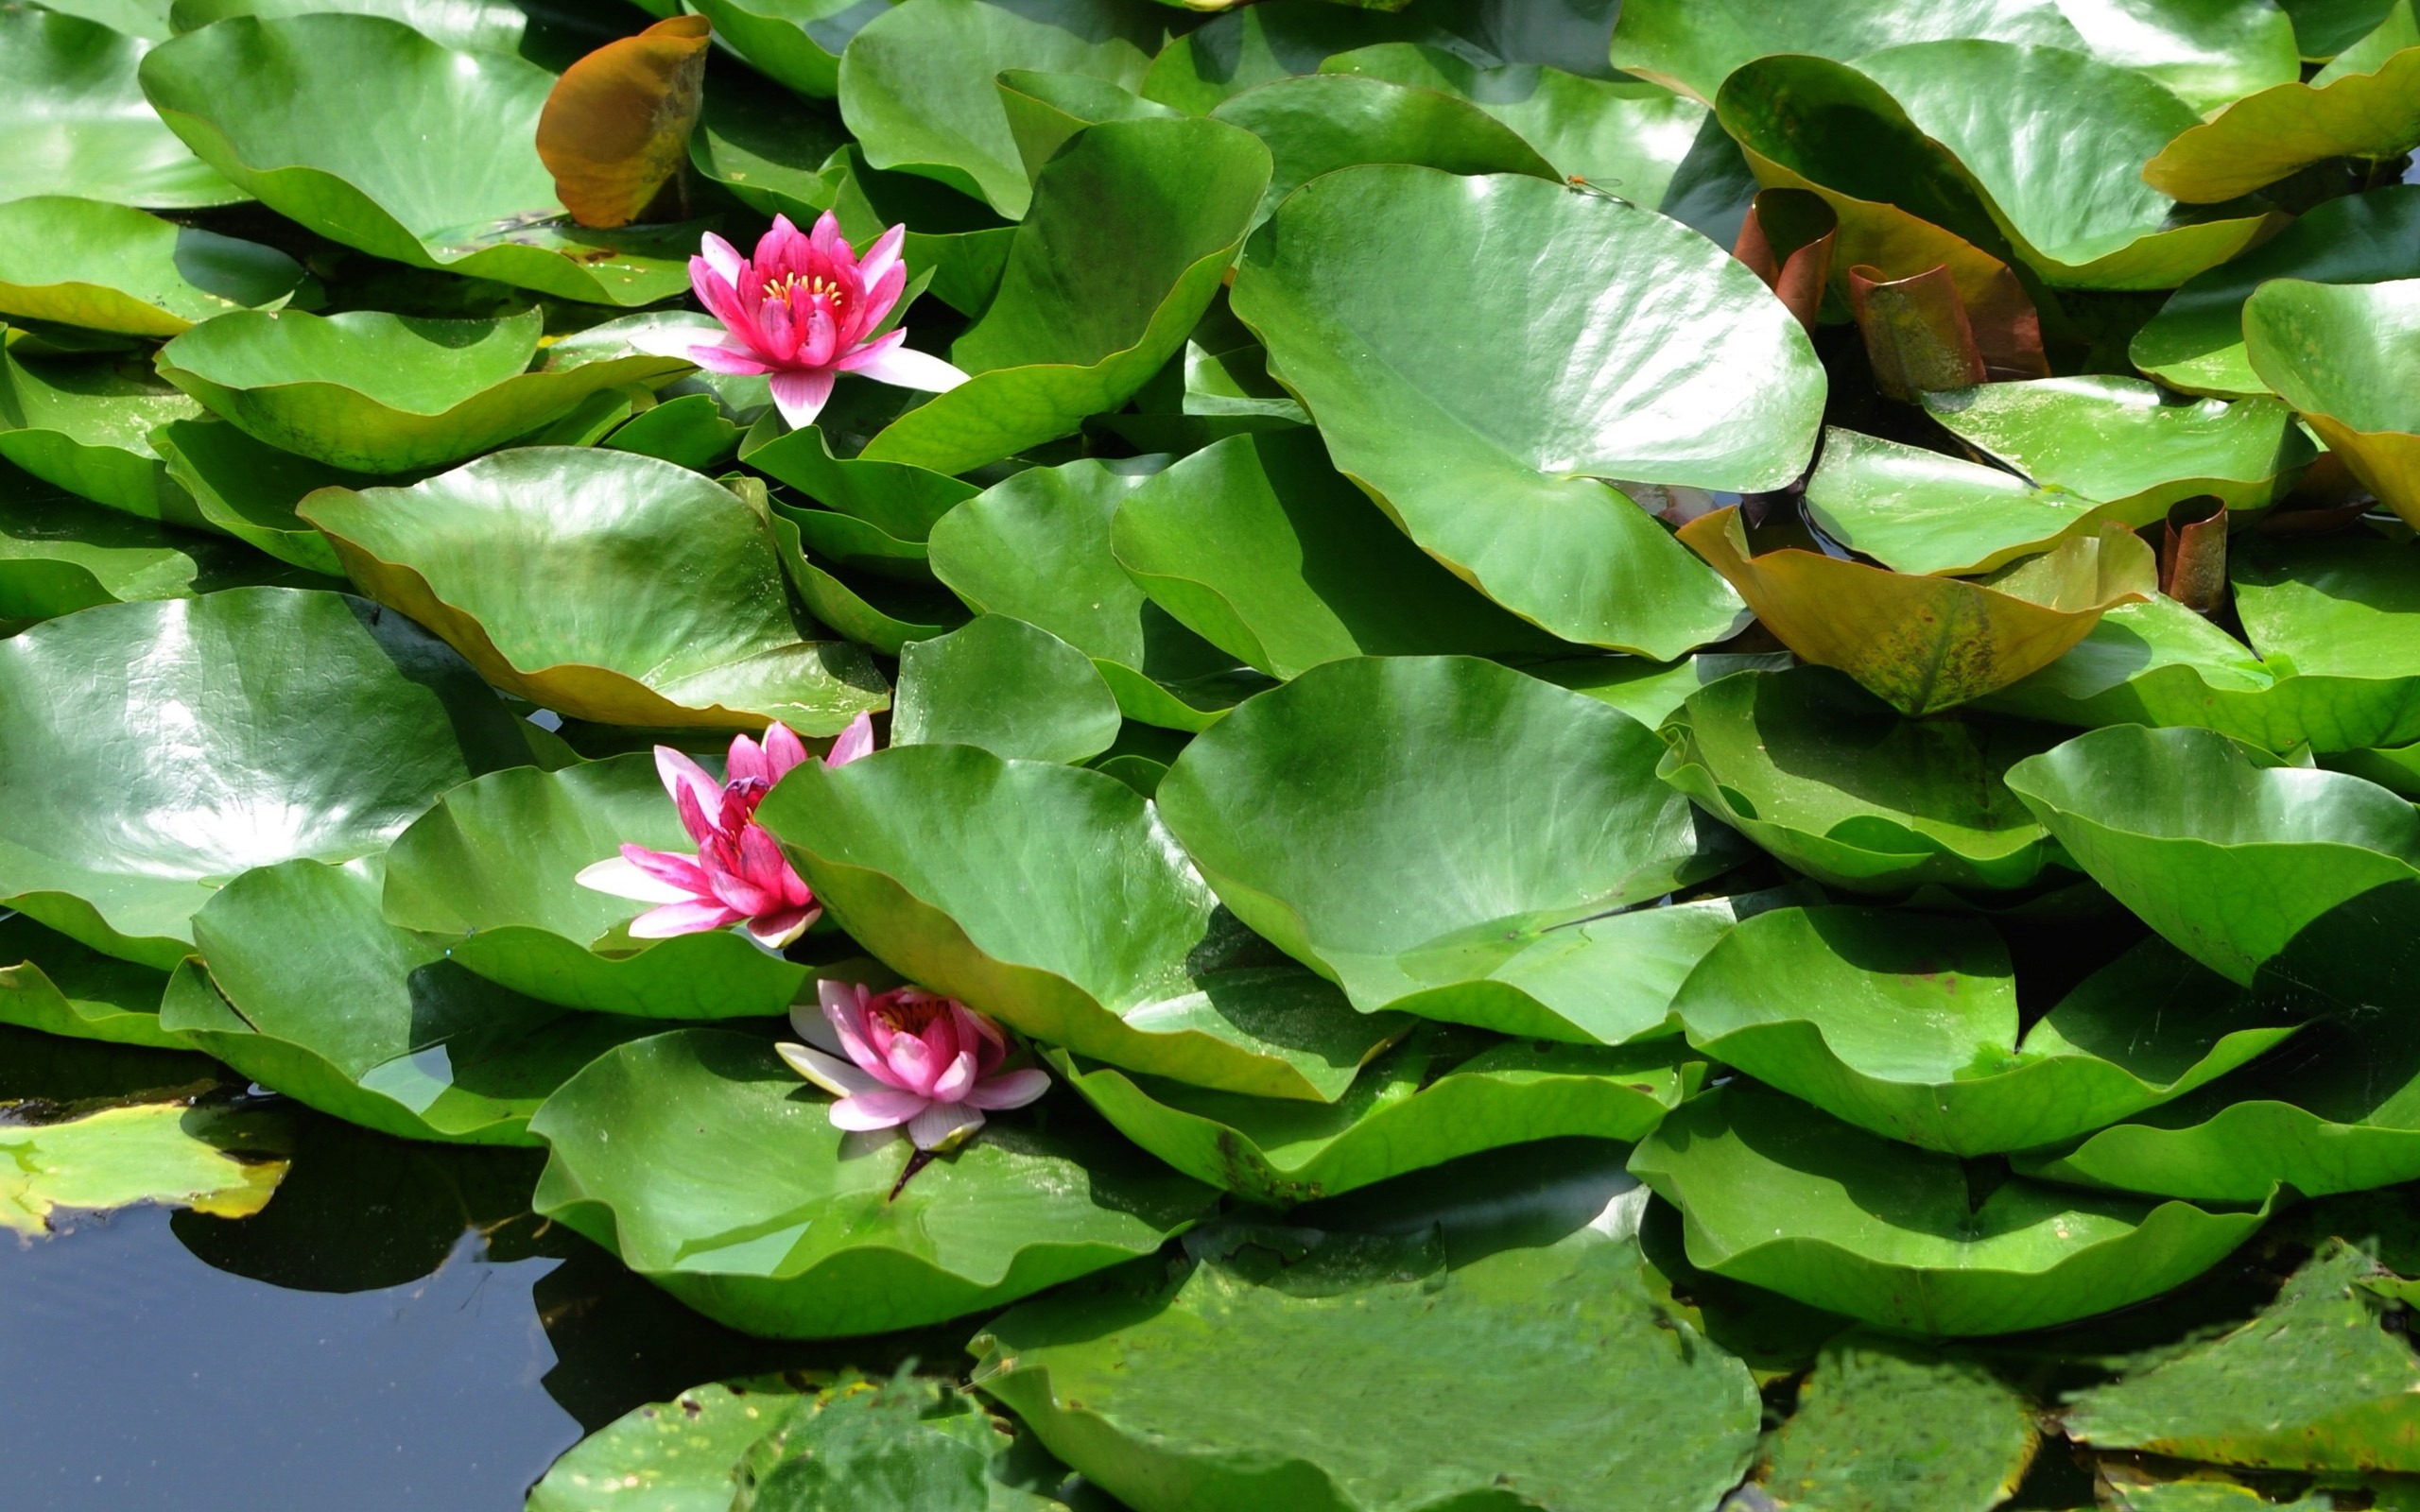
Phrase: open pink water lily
(805,310)
(739,875)
(913,1057)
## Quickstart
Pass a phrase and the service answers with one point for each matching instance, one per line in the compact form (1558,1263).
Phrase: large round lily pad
(1908,1027)
(186,741)
(1777,1195)
(907,848)
(304,111)
(1841,787)
(110,267)
(493,868)
(1450,837)
(2348,356)
(683,616)
(1576,360)
(73,120)
(310,992)
(1545,1376)
(703,1161)
(383,393)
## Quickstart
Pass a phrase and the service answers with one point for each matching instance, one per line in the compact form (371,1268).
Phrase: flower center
(794,289)
(911,1012)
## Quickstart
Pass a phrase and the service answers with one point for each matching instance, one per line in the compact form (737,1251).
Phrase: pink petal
(818,335)
(800,394)
(900,366)
(682,918)
(720,295)
(669,869)
(835,1076)
(783,750)
(881,258)
(807,1023)
(779,250)
(775,930)
(943,1124)
(745,760)
(855,741)
(958,1080)
(826,238)
(621,879)
(777,332)
(723,258)
(879,299)
(693,818)
(676,770)
(729,361)
(844,1011)
(912,1063)
(882,1107)
(1010,1089)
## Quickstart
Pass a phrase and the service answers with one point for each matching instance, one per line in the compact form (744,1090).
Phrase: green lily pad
(1040,547)
(109,267)
(75,122)
(374,392)
(2318,1382)
(2196,340)
(1919,511)
(704,1162)
(1780,1196)
(1573,313)
(907,847)
(2260,872)
(900,499)
(2128,444)
(1002,684)
(1839,785)
(795,42)
(1045,110)
(1132,229)
(1530,808)
(1910,1028)
(2341,354)
(2208,55)
(1248,46)
(907,1445)
(1317,123)
(2364,105)
(1262,547)
(331,725)
(1884,1425)
(84,423)
(478,25)
(220,1161)
(61,986)
(491,869)
(1441,1094)
(1647,691)
(701,631)
(1532,1376)
(250,488)
(688,429)
(884,617)
(916,82)
(959,239)
(304,111)
(682,1455)
(310,992)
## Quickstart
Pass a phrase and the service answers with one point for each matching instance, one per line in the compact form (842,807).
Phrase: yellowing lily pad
(109,267)
(2348,357)
(220,1161)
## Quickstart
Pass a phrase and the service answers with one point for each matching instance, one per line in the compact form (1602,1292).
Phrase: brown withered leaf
(617,127)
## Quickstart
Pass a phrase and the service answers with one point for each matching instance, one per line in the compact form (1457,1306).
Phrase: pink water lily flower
(805,310)
(913,1057)
(739,875)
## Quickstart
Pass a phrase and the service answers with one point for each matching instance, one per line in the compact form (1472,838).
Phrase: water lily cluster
(1561,709)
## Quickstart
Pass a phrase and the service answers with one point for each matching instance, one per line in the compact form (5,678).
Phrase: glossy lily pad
(916,82)
(491,869)
(1262,547)
(1040,547)
(704,1162)
(682,1455)
(1132,229)
(304,111)
(907,849)
(2263,873)
(83,424)
(110,267)
(1548,1370)
(1908,1027)
(1916,510)
(900,499)
(481,26)
(1839,785)
(61,986)
(1527,814)
(75,123)
(1441,1094)
(1045,110)
(1596,370)
(1884,1424)
(1927,643)
(699,631)
(333,723)
(1014,690)
(250,488)
(374,392)
(222,1162)
(311,993)
(1780,1196)
(2195,342)
(2342,354)
(798,42)
(1317,123)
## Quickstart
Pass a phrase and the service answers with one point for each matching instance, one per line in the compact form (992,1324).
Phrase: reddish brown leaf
(2193,553)
(1916,331)
(617,127)
(1787,241)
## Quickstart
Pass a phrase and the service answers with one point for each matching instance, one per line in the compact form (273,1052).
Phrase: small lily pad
(1883,1425)
(102,266)
(225,1162)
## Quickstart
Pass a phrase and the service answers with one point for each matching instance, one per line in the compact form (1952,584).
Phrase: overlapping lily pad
(309,991)
(1908,1027)
(493,870)
(706,1164)
(83,424)
(332,724)
(683,619)
(59,554)
(1367,274)
(907,849)
(1013,689)
(1840,787)
(1441,1094)
(250,488)
(61,986)
(1775,1195)
(302,111)
(1319,122)
(102,266)
(1530,809)
(73,121)
(374,392)
(1548,1370)
(1919,511)
(2342,354)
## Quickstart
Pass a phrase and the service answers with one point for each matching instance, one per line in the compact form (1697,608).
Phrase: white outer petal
(906,368)
(623,879)
(830,1072)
